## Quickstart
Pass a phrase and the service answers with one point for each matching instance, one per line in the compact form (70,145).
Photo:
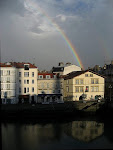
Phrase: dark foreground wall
(68,109)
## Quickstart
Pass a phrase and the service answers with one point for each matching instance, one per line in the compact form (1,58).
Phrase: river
(55,135)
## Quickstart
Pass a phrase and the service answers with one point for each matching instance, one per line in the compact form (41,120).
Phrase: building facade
(18,82)
(83,85)
(65,69)
(26,82)
(50,88)
(8,83)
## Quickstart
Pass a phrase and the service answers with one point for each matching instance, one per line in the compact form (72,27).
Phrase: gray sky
(27,35)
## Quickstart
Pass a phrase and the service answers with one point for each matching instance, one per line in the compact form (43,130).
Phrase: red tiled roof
(46,73)
(21,65)
(5,65)
(17,65)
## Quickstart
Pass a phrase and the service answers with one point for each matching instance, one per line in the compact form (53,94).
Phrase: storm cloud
(28,31)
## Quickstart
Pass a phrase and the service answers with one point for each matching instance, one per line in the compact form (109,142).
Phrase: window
(96,89)
(42,85)
(87,89)
(77,81)
(24,90)
(24,81)
(32,81)
(32,89)
(47,76)
(92,81)
(47,85)
(19,74)
(86,75)
(67,81)
(76,89)
(8,72)
(59,91)
(92,89)
(27,89)
(19,81)
(8,79)
(32,74)
(26,74)
(67,88)
(96,81)
(91,75)
(19,90)
(40,76)
(81,81)
(8,86)
(81,89)
(27,81)
(53,85)
(26,67)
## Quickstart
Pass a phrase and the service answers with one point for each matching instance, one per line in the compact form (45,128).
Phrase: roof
(77,73)
(17,65)
(46,73)
(5,65)
(57,69)
(21,64)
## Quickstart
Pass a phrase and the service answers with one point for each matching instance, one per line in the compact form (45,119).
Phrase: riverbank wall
(67,109)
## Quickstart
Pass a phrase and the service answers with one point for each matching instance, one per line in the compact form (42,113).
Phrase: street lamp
(110,87)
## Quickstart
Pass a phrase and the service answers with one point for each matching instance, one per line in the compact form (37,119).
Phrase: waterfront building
(8,83)
(18,82)
(83,85)
(26,88)
(50,88)
(65,69)
(108,72)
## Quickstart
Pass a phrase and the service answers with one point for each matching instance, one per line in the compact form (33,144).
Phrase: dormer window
(47,76)
(26,67)
(86,75)
(40,76)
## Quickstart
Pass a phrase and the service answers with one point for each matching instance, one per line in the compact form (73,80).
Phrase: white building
(8,83)
(18,82)
(65,69)
(26,76)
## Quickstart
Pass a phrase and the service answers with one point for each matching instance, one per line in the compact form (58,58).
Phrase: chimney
(61,64)
(68,64)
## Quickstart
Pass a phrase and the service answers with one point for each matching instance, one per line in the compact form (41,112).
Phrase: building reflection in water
(85,131)
(33,136)
(29,136)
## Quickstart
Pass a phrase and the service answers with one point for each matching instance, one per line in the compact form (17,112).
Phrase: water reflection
(84,130)
(75,134)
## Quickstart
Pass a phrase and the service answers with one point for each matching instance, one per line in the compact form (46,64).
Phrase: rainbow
(30,5)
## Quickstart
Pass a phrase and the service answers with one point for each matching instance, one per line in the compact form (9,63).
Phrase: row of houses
(107,71)
(24,83)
